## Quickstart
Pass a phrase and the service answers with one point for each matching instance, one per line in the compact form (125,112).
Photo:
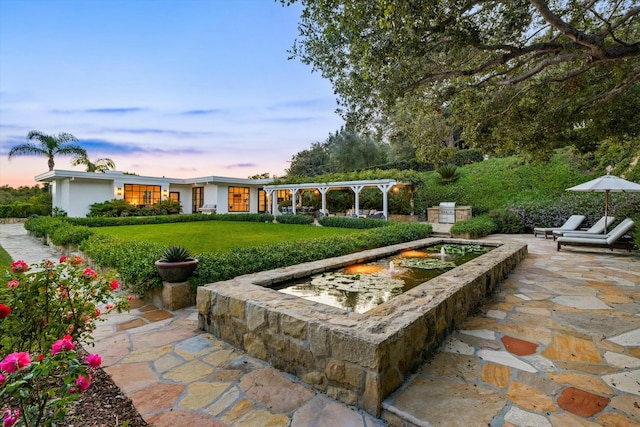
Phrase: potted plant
(176,264)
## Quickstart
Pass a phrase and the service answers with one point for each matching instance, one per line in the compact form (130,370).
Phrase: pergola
(384,185)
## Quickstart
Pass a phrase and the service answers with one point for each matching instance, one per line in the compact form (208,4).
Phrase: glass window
(197,199)
(262,200)
(238,199)
(142,195)
(284,195)
(174,196)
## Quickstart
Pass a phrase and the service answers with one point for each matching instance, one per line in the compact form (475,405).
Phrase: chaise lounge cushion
(609,240)
(596,229)
(572,223)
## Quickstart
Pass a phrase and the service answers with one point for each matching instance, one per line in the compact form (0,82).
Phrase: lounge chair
(614,239)
(597,228)
(572,223)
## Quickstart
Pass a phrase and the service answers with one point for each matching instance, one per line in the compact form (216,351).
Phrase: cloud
(241,165)
(304,104)
(101,110)
(202,112)
(124,148)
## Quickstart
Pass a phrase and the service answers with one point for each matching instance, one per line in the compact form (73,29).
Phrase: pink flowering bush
(45,312)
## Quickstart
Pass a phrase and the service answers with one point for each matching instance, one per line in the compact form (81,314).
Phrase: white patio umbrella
(606,184)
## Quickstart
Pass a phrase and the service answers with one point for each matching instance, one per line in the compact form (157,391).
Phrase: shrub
(346,222)
(175,254)
(465,157)
(507,221)
(41,226)
(68,234)
(294,219)
(448,174)
(48,310)
(133,260)
(475,227)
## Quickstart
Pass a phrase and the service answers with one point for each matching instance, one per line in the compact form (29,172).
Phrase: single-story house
(75,191)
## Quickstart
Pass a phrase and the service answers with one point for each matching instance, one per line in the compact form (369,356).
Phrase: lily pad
(427,263)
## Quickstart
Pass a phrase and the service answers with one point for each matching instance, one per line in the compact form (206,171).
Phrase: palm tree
(100,165)
(49,145)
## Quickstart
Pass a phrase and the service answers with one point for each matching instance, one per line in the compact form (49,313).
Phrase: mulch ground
(103,405)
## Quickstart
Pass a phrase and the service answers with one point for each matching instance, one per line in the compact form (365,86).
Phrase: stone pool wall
(356,358)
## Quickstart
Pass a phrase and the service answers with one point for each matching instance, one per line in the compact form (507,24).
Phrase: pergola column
(356,190)
(269,192)
(294,192)
(385,198)
(323,192)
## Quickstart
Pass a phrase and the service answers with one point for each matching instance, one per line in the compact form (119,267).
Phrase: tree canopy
(512,75)
(99,165)
(48,146)
(343,151)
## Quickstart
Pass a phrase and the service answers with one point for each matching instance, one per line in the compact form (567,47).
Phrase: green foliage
(24,201)
(167,219)
(175,254)
(501,182)
(507,221)
(342,152)
(134,260)
(346,222)
(68,234)
(48,146)
(41,226)
(294,219)
(466,157)
(475,227)
(426,70)
(447,174)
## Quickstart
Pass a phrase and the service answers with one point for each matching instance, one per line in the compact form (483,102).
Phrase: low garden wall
(356,358)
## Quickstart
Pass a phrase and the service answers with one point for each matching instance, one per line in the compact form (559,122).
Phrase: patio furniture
(616,238)
(571,224)
(598,228)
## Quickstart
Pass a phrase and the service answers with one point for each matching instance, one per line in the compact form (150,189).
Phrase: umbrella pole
(606,210)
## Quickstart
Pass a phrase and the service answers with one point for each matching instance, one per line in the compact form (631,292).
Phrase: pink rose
(89,274)
(76,260)
(10,418)
(19,266)
(1,379)
(96,314)
(94,360)
(83,382)
(12,284)
(63,259)
(15,361)
(109,306)
(65,343)
(114,284)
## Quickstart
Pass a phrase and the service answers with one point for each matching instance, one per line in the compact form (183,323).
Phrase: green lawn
(221,236)
(5,259)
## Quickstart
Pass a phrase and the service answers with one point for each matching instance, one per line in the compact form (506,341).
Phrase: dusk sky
(176,88)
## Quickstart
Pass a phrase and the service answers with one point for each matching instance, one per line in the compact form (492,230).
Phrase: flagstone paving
(558,344)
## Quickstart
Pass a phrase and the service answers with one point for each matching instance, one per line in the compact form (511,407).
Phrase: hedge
(475,227)
(294,219)
(347,222)
(166,219)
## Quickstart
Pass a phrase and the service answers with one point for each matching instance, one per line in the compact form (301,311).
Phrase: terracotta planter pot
(175,272)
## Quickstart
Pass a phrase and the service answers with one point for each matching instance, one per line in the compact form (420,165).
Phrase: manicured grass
(221,236)
(5,259)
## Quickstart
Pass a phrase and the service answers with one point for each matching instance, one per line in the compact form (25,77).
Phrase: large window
(238,199)
(197,199)
(142,195)
(262,198)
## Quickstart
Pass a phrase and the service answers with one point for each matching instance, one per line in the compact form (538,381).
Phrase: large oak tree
(514,75)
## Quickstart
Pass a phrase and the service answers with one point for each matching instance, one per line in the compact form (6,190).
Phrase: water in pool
(360,287)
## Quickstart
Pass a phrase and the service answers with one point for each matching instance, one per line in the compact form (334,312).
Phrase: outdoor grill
(447,213)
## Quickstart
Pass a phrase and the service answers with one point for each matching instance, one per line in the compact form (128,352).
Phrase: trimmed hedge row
(23,210)
(165,219)
(294,219)
(347,222)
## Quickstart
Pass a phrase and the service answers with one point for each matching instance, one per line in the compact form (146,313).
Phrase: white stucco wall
(79,195)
